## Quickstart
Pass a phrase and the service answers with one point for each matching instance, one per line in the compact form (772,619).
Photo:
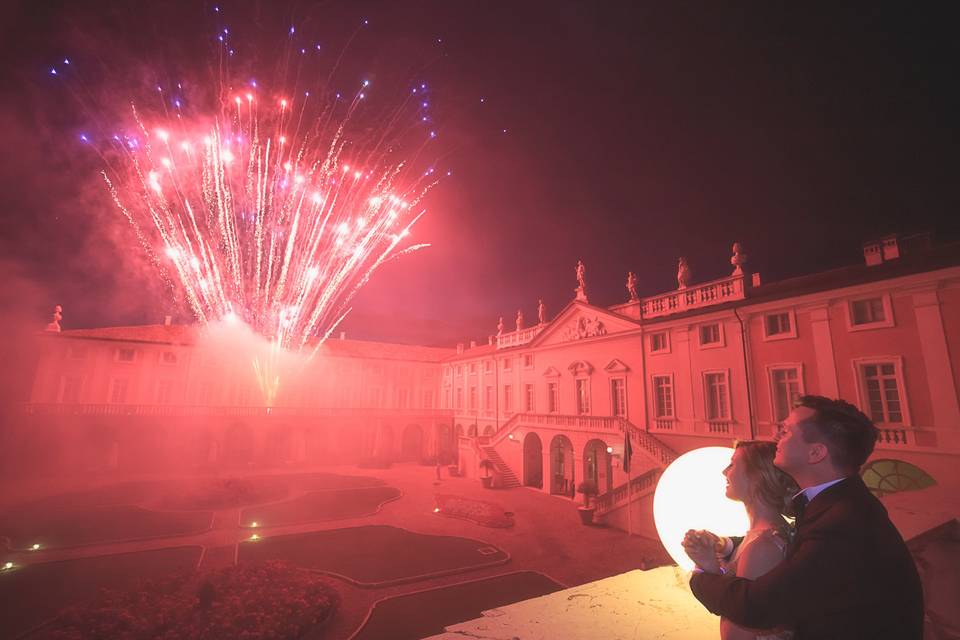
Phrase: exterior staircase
(509,479)
(641,486)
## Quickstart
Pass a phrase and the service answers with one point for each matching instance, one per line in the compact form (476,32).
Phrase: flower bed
(269,601)
(488,514)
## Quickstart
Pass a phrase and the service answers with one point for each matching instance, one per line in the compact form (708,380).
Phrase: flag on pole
(627,451)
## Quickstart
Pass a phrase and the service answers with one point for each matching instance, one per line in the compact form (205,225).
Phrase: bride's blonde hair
(767,484)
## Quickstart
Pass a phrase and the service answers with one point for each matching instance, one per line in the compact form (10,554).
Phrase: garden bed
(487,514)
(268,601)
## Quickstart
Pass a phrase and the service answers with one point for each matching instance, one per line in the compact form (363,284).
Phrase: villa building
(549,405)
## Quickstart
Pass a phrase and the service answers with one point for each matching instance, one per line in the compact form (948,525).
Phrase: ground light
(691,494)
(35,547)
(253,524)
(254,537)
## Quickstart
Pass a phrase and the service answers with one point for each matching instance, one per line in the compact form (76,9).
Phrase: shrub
(269,601)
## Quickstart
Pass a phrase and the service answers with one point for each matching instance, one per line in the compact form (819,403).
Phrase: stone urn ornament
(738,259)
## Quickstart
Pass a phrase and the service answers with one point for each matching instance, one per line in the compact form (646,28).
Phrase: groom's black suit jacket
(847,575)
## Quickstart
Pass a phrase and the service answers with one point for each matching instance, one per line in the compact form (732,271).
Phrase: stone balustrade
(517,338)
(695,297)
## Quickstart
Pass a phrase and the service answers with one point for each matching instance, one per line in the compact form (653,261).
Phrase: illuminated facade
(549,405)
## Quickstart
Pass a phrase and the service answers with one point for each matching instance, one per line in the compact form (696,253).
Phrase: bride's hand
(701,547)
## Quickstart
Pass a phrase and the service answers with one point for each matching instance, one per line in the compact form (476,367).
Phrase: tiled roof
(189,334)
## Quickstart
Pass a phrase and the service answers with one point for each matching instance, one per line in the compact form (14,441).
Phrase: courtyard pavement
(547,537)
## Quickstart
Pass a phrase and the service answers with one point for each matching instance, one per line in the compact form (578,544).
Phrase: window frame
(614,399)
(888,320)
(666,341)
(786,335)
(706,395)
(529,398)
(862,392)
(801,385)
(118,350)
(653,396)
(585,380)
(711,345)
(553,396)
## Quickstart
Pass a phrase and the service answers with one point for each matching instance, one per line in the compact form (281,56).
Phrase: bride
(765,491)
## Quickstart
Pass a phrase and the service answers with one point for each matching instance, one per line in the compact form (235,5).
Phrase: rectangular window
(553,397)
(488,366)
(662,397)
(582,386)
(507,399)
(868,311)
(376,397)
(69,390)
(528,404)
(883,392)
(473,367)
(428,399)
(507,364)
(126,355)
(777,324)
(168,357)
(528,361)
(473,398)
(446,400)
(785,383)
(717,399)
(164,391)
(658,342)
(459,370)
(459,398)
(118,390)
(709,334)
(618,397)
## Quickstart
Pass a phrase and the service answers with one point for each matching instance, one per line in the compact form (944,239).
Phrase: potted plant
(486,472)
(589,489)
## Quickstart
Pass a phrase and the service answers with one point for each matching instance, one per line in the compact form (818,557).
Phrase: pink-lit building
(550,404)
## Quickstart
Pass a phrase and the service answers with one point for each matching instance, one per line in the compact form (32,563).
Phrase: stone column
(936,359)
(823,349)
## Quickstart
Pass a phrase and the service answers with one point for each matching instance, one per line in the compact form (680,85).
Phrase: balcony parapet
(163,410)
(517,338)
(695,297)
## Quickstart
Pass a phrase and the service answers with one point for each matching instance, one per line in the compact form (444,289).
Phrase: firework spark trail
(263,218)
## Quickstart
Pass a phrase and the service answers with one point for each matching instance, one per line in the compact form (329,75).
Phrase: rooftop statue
(54,324)
(683,274)
(541,312)
(632,286)
(738,259)
(519,319)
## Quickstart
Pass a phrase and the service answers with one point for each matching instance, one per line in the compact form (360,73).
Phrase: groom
(847,573)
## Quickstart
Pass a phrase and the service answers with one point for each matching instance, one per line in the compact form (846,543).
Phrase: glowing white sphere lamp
(691,494)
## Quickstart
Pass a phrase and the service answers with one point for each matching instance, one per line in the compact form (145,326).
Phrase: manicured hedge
(267,601)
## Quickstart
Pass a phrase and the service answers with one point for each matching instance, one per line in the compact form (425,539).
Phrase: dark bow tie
(798,505)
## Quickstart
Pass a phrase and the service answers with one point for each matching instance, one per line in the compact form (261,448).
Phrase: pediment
(580,368)
(551,372)
(581,321)
(616,366)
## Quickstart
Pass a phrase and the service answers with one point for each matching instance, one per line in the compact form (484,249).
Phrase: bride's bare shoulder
(760,556)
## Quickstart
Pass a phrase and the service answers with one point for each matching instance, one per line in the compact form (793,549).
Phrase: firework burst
(268,211)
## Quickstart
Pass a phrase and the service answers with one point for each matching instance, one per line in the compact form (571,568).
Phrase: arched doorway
(472,431)
(488,430)
(532,461)
(411,444)
(561,466)
(597,465)
(445,444)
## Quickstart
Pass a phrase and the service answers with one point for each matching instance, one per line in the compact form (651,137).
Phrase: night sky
(635,133)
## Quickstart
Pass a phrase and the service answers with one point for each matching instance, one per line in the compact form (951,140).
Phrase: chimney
(891,249)
(755,279)
(473,344)
(343,335)
(459,347)
(872,254)
(167,320)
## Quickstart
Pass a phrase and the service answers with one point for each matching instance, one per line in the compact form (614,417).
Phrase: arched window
(887,476)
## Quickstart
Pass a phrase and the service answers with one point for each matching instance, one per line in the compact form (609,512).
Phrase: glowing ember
(8,565)
(35,547)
